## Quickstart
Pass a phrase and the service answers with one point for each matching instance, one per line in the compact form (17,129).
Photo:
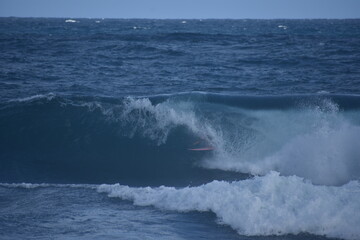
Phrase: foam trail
(268,205)
(48,97)
(46,185)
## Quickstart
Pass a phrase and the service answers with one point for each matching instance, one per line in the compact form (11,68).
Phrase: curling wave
(50,138)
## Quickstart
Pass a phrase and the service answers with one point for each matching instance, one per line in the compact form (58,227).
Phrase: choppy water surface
(97,117)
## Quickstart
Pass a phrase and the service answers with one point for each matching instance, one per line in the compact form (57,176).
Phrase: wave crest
(314,139)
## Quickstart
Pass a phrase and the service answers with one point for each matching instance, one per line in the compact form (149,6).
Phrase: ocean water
(98,118)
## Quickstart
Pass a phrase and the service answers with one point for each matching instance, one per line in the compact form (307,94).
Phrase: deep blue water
(98,116)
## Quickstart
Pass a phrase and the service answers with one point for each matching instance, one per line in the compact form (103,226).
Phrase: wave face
(49,138)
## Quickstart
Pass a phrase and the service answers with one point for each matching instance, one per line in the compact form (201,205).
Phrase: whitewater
(96,135)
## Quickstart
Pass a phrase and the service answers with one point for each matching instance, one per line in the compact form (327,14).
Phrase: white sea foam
(48,96)
(24,185)
(318,143)
(283,27)
(70,21)
(157,121)
(268,205)
(46,185)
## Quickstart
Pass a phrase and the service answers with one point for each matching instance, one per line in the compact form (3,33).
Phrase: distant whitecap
(70,21)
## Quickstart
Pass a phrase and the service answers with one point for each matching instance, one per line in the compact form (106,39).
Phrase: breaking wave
(137,140)
(268,205)
(260,206)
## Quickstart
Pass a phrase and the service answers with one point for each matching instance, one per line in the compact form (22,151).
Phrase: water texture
(99,119)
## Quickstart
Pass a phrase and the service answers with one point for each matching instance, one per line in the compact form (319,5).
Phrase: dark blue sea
(179,129)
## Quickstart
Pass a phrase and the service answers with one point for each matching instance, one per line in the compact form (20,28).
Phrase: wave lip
(268,205)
